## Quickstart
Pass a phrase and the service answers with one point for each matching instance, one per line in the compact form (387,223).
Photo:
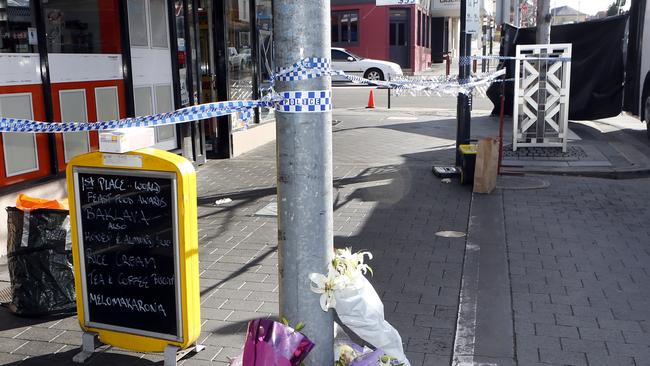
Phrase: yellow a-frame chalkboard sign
(135,251)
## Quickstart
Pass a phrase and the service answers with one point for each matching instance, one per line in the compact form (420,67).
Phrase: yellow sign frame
(148,160)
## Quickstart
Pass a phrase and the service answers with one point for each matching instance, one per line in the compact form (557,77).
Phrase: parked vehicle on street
(352,64)
(637,79)
(239,60)
(245,56)
(234,61)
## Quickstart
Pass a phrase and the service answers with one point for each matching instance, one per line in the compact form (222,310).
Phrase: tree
(615,7)
(612,10)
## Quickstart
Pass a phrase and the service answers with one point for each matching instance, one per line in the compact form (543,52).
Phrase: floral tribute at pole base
(269,343)
(345,289)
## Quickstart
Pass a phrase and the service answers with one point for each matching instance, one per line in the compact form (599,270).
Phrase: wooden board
(487,160)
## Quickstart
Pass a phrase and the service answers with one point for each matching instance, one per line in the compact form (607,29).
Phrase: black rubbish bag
(39,258)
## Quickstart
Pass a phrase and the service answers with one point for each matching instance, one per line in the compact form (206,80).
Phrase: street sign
(134,225)
(473,17)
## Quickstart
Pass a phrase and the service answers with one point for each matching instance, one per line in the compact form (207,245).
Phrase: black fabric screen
(597,65)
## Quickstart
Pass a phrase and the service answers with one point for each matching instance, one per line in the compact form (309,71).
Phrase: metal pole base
(89,342)
(173,353)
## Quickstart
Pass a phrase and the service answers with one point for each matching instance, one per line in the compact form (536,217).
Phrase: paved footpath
(386,201)
(579,254)
(568,264)
(571,259)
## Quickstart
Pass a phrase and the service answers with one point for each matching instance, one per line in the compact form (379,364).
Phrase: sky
(590,7)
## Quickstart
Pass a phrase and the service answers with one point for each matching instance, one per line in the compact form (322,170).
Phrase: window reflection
(264,9)
(182,56)
(138,30)
(239,56)
(90,26)
(17,28)
(345,26)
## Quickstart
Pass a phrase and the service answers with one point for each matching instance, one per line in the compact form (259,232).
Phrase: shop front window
(17,28)
(264,17)
(420,29)
(182,53)
(89,26)
(240,61)
(345,26)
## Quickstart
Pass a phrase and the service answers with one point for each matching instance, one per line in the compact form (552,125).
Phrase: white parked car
(239,60)
(245,55)
(352,64)
(234,59)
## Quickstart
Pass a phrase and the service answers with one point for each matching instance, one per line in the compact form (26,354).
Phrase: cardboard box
(126,139)
(487,165)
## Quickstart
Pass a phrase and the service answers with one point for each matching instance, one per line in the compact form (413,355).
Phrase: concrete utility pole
(504,9)
(517,13)
(543,22)
(304,165)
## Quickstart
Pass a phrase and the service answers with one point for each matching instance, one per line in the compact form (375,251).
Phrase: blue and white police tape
(448,84)
(286,102)
(466,60)
(189,114)
(311,67)
(290,102)
(305,101)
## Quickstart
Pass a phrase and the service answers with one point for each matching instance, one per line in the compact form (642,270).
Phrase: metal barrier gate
(541,108)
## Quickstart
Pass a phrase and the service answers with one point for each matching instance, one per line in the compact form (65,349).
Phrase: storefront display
(21,94)
(264,21)
(93,60)
(17,28)
(240,70)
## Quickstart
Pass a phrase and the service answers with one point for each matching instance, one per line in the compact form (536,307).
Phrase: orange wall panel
(36,91)
(89,87)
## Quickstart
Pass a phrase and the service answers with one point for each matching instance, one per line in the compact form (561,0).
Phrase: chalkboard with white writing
(127,235)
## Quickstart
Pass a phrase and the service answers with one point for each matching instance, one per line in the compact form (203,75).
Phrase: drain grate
(5,294)
(573,152)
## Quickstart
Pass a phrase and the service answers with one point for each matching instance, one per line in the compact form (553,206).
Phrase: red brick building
(393,30)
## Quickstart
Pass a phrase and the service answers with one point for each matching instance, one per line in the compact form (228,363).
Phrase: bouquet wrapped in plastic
(356,302)
(351,354)
(269,343)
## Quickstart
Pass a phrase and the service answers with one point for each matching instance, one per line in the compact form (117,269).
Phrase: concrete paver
(386,201)
(577,262)
(577,256)
(578,252)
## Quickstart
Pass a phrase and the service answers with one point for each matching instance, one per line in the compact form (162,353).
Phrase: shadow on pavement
(417,274)
(8,320)
(231,328)
(243,269)
(100,358)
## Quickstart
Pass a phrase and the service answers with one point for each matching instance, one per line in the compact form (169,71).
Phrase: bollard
(448,65)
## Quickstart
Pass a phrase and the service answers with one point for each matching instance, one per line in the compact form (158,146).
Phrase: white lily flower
(346,253)
(326,285)
(351,265)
